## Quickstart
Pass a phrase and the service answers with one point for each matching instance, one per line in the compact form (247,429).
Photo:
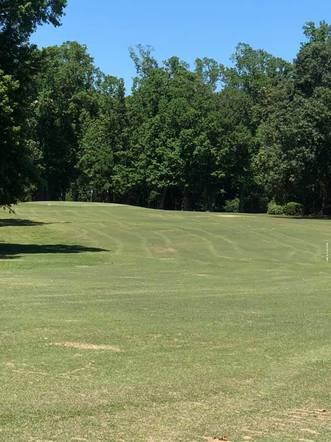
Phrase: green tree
(295,156)
(18,65)
(169,115)
(244,101)
(66,97)
(103,143)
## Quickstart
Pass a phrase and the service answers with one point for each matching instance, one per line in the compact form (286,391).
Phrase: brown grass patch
(308,430)
(217,439)
(85,346)
(9,364)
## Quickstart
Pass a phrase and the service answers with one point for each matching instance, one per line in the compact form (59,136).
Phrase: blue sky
(186,28)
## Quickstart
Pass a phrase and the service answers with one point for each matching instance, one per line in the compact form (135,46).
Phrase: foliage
(19,18)
(66,98)
(18,65)
(293,209)
(275,209)
(295,158)
(232,205)
(185,138)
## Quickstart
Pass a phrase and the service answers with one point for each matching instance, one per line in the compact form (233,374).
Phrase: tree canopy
(207,137)
(19,63)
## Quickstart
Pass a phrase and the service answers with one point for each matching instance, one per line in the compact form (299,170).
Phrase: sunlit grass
(128,324)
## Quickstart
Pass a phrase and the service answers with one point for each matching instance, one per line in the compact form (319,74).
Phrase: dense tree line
(209,137)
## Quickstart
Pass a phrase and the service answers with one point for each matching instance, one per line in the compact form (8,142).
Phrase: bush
(293,209)
(232,205)
(68,196)
(275,209)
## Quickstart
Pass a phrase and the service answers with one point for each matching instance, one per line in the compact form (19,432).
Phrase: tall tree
(296,137)
(66,86)
(18,65)
(103,144)
(248,86)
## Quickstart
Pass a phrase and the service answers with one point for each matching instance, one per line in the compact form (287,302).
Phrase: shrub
(232,205)
(293,209)
(68,196)
(275,209)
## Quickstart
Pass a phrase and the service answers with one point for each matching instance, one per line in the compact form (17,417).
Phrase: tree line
(207,137)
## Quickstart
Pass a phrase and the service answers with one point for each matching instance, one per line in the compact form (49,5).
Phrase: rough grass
(127,324)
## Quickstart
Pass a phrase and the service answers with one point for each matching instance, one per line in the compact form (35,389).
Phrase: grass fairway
(128,324)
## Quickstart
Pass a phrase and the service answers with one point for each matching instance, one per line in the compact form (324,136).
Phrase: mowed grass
(127,324)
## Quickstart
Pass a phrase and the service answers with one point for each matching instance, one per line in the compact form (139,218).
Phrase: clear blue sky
(186,28)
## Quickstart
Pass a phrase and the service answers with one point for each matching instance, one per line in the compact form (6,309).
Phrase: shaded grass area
(8,250)
(222,326)
(18,222)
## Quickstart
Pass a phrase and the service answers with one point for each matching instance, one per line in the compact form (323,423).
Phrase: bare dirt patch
(85,346)
(217,439)
(9,364)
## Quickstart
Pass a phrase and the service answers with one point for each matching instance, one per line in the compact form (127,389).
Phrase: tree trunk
(186,202)
(162,199)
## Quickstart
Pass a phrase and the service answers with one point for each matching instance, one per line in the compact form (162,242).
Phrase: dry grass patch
(86,346)
(217,439)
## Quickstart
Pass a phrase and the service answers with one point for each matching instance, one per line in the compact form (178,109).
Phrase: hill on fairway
(128,324)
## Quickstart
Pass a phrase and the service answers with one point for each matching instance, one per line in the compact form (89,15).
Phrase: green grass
(223,326)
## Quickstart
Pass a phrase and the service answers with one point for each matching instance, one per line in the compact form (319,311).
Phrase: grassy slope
(223,325)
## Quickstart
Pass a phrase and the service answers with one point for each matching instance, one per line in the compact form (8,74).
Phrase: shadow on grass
(10,251)
(18,222)
(304,217)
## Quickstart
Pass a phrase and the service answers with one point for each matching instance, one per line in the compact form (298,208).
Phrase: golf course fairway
(119,323)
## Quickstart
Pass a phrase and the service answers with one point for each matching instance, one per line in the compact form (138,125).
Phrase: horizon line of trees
(210,137)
